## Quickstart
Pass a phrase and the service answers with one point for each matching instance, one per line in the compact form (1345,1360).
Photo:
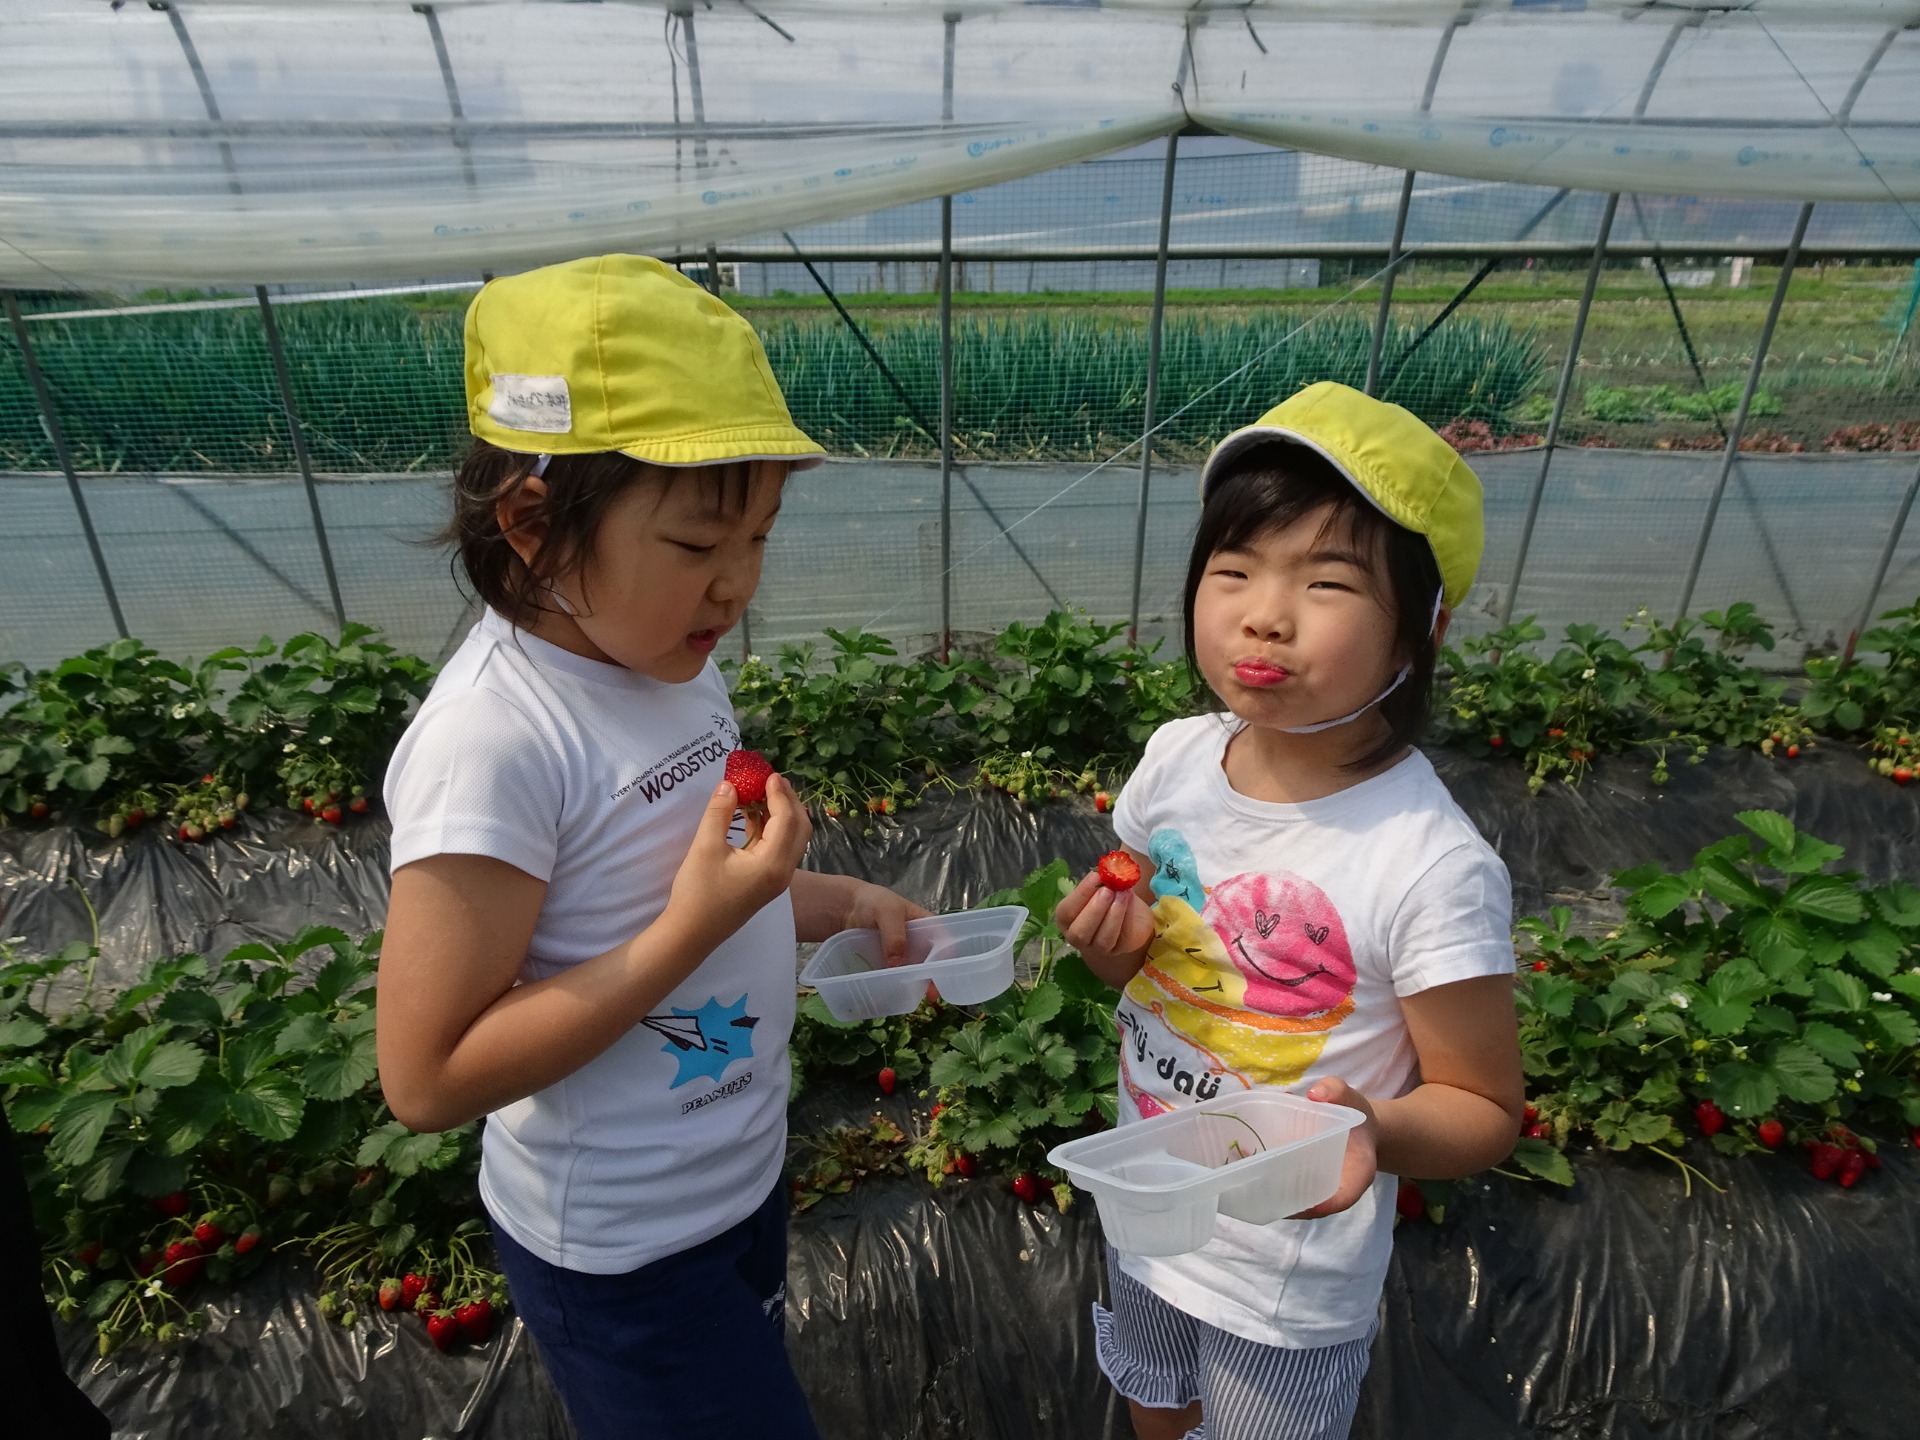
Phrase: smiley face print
(1285,938)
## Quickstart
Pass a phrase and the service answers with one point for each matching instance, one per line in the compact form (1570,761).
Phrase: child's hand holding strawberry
(1107,920)
(720,886)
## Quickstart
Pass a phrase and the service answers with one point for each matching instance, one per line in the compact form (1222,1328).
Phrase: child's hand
(719,888)
(1110,928)
(1360,1166)
(874,907)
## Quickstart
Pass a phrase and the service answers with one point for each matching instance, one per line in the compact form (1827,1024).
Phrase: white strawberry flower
(325,740)
(1883,996)
(288,748)
(1588,673)
(1678,999)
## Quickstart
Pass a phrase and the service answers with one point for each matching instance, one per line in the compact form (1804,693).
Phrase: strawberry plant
(1038,1066)
(1760,993)
(861,1050)
(831,1161)
(852,729)
(1855,698)
(184,1128)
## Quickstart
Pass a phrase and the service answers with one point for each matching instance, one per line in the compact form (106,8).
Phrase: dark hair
(1273,486)
(580,488)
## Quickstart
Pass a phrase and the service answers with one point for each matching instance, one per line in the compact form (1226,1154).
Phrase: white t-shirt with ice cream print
(1286,936)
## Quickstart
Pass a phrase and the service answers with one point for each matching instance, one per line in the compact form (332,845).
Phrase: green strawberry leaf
(1744,1089)
(1800,1073)
(340,1070)
(1540,1159)
(268,1105)
(1825,897)
(82,1120)
(1831,1044)
(18,1032)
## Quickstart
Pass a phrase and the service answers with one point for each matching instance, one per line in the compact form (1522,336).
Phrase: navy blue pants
(691,1345)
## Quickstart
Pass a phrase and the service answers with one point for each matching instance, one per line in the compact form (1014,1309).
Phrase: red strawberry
(1902,774)
(1119,870)
(209,1234)
(934,1114)
(748,772)
(39,810)
(1539,965)
(331,814)
(390,1294)
(249,1238)
(174,1204)
(443,1330)
(1532,1113)
(888,1079)
(1026,1187)
(1539,1130)
(1852,1166)
(1770,1133)
(1410,1202)
(1823,1159)
(89,1253)
(1710,1118)
(1555,733)
(413,1287)
(358,805)
(135,816)
(475,1320)
(1496,741)
(1102,801)
(965,1164)
(1793,752)
(428,1302)
(185,1259)
(306,803)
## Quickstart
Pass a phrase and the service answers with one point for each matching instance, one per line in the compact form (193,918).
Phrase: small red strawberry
(249,1238)
(39,810)
(306,803)
(1532,1113)
(1793,752)
(185,1259)
(390,1294)
(1496,741)
(228,820)
(174,1204)
(1555,733)
(934,1114)
(1119,870)
(1852,1166)
(1026,1187)
(412,1287)
(748,772)
(1823,1159)
(1539,965)
(1902,775)
(89,1253)
(965,1164)
(1710,1118)
(358,805)
(428,1302)
(135,817)
(209,1234)
(1102,801)
(1770,1133)
(331,814)
(475,1319)
(1410,1202)
(443,1330)
(888,1078)
(1539,1130)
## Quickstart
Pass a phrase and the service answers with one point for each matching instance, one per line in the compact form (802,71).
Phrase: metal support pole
(1406,203)
(1880,570)
(946,367)
(1155,323)
(1560,398)
(699,132)
(206,88)
(1731,455)
(460,140)
(285,376)
(1567,372)
(44,395)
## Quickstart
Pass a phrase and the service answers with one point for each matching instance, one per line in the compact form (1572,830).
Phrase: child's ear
(517,512)
(1440,623)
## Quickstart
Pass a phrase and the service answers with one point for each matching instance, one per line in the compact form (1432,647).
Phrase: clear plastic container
(1259,1156)
(968,955)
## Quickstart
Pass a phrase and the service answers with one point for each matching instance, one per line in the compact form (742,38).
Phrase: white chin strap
(540,465)
(1395,684)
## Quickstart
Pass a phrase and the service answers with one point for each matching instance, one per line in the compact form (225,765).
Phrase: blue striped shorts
(1166,1359)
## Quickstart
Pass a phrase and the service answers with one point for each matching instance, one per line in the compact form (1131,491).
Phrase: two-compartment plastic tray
(967,955)
(1258,1156)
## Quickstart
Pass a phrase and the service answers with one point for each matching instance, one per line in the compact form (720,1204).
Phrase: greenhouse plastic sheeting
(277,873)
(1619,1310)
(216,142)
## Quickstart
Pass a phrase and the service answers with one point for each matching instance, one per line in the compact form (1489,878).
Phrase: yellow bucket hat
(622,352)
(1411,475)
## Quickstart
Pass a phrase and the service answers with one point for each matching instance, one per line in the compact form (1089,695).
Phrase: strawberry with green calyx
(389,1294)
(443,1330)
(1823,1159)
(1710,1118)
(1853,1164)
(1027,1187)
(209,1234)
(413,1286)
(748,772)
(888,1078)
(1102,802)
(184,1260)
(1118,870)
(475,1319)
(1770,1133)
(965,1165)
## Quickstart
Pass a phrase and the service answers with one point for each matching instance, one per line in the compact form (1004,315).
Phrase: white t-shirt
(593,778)
(1286,935)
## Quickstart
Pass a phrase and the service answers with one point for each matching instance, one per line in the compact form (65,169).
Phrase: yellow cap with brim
(1392,457)
(622,352)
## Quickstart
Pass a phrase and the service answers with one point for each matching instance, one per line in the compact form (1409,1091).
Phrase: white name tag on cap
(532,402)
